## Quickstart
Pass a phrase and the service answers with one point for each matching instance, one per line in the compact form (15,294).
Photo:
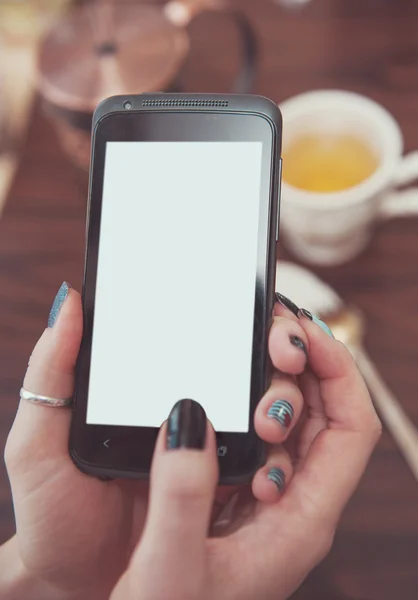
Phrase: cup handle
(405,202)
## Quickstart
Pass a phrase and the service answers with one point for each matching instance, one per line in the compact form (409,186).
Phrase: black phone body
(179,276)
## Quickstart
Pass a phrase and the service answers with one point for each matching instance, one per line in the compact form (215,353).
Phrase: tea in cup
(342,161)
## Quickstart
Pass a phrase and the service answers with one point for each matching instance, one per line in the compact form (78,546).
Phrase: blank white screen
(175,287)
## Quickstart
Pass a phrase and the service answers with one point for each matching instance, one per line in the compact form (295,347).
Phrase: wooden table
(369,47)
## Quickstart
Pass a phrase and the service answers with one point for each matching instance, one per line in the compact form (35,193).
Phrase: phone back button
(106,443)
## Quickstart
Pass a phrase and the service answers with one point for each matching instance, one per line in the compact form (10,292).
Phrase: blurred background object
(22,24)
(108,47)
(369,48)
(23,21)
(292,4)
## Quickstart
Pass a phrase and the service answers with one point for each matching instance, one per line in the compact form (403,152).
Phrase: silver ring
(44,400)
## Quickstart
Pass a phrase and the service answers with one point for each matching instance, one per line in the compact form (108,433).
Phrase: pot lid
(100,50)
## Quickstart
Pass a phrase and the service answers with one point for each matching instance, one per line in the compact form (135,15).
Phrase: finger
(287,308)
(183,482)
(284,307)
(316,419)
(338,455)
(288,346)
(282,311)
(339,378)
(269,483)
(223,496)
(50,373)
(279,410)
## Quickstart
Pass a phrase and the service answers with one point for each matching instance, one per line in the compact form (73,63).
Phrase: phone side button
(279,193)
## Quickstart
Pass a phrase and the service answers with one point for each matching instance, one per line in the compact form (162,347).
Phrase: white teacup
(331,228)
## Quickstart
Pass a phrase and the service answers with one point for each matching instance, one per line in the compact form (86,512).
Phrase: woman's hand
(75,534)
(270,547)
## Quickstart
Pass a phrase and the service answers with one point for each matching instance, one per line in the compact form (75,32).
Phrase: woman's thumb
(184,476)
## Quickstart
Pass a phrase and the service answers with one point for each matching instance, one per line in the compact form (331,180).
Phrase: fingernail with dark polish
(278,477)
(281,411)
(287,303)
(58,302)
(186,426)
(305,313)
(298,343)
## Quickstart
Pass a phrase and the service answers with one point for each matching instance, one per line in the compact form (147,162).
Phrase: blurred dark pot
(101,50)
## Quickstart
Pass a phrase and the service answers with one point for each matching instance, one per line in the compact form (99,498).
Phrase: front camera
(127,104)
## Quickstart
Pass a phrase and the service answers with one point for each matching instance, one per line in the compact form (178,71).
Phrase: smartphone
(179,276)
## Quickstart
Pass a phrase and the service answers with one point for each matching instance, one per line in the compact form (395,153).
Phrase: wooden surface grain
(369,47)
